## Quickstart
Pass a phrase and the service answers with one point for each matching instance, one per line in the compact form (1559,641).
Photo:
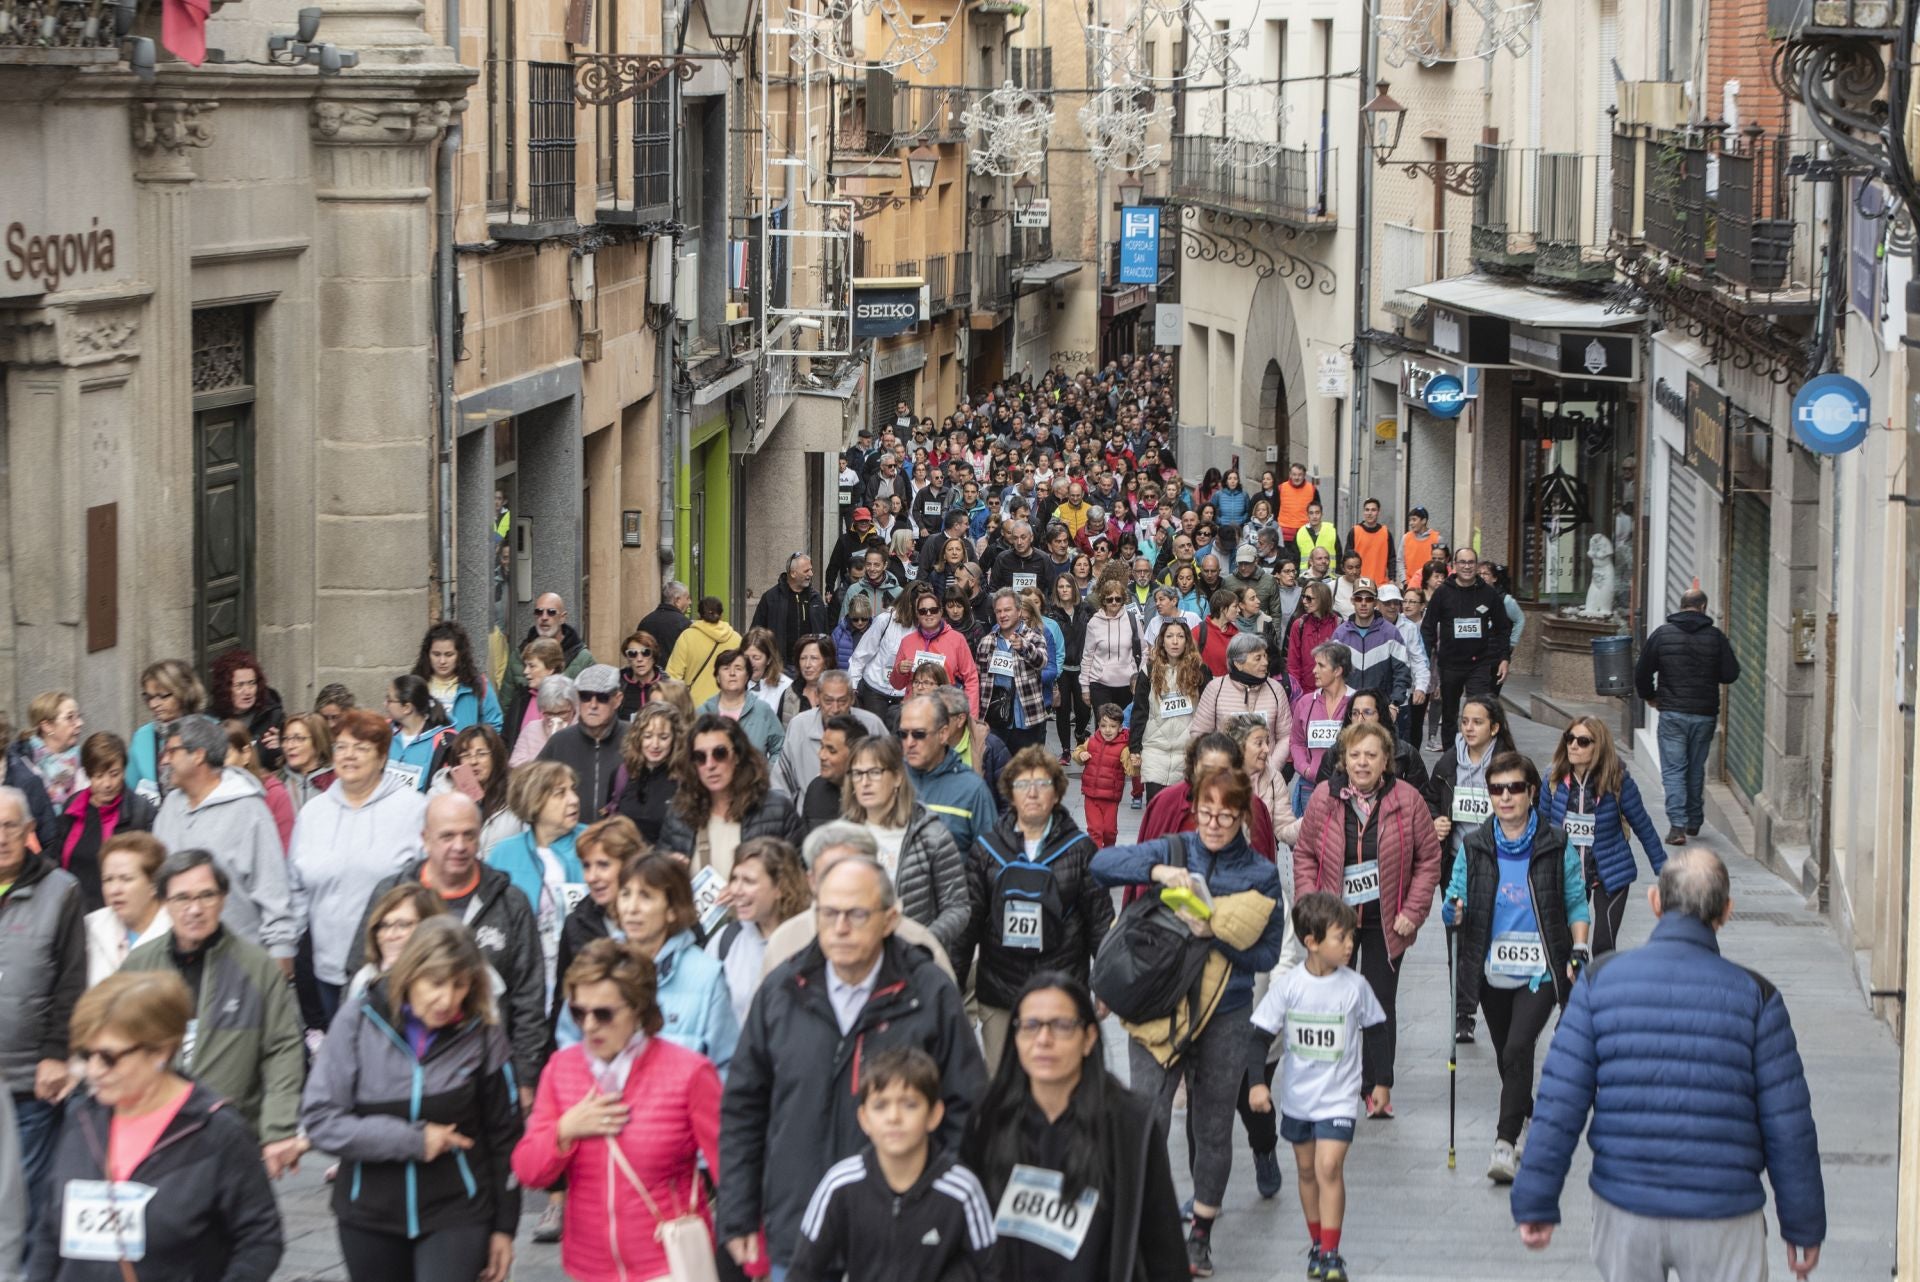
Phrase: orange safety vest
(1375,547)
(1293,505)
(1415,551)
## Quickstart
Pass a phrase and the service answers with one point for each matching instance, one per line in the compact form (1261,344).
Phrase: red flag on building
(183,29)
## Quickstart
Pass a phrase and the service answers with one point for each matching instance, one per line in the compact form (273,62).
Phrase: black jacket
(664,625)
(647,798)
(268,713)
(789,1112)
(1009,563)
(595,762)
(1482,601)
(586,923)
(136,815)
(774,817)
(1546,879)
(857,1227)
(1087,909)
(503,926)
(213,1217)
(1684,664)
(790,615)
(21,774)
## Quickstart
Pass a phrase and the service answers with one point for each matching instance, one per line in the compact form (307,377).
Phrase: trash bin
(1613,665)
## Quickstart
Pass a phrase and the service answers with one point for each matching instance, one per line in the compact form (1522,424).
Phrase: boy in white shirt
(1321,1007)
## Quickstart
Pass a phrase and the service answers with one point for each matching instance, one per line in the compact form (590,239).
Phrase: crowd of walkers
(783,953)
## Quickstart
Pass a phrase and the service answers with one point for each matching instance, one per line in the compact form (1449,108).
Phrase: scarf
(610,1076)
(1520,847)
(1363,803)
(60,771)
(1245,678)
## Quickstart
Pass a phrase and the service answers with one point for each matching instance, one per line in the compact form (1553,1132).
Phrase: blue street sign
(1140,245)
(1445,396)
(1831,414)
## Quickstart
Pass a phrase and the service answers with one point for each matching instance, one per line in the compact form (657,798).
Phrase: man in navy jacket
(1688,1064)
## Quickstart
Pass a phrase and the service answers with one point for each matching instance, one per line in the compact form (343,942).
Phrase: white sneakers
(1505,1163)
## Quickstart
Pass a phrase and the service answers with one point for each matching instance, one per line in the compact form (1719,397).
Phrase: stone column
(166,131)
(373,540)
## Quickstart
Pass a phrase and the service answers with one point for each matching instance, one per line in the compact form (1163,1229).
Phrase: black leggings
(1609,910)
(456,1254)
(1375,964)
(1453,687)
(1515,1019)
(1263,1129)
(1071,720)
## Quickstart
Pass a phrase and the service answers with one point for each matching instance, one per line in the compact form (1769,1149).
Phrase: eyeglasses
(639,652)
(596,696)
(913,735)
(1112,600)
(855,917)
(1064,1027)
(546,612)
(201,900)
(1030,785)
(111,1058)
(1511,788)
(397,927)
(150,698)
(1217,818)
(1580,740)
(865,773)
(598,1014)
(718,755)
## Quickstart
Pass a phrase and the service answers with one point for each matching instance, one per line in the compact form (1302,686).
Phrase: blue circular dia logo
(1831,414)
(1445,396)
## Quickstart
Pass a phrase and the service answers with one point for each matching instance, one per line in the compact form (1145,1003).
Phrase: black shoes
(1676,836)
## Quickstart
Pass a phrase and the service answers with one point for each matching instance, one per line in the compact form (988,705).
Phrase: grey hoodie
(340,853)
(234,825)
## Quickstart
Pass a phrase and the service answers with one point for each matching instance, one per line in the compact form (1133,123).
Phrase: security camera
(309,25)
(141,57)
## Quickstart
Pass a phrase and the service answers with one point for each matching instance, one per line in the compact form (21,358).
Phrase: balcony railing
(996,290)
(928,113)
(1540,213)
(550,141)
(936,277)
(963,278)
(61,32)
(1296,188)
(1715,203)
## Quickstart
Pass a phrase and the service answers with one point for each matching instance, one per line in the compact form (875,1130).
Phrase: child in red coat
(1104,780)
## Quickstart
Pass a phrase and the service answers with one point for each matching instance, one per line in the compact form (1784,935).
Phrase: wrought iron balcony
(61,32)
(996,290)
(1293,186)
(541,203)
(1541,214)
(962,278)
(928,113)
(938,298)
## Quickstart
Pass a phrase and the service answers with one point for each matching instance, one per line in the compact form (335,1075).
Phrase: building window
(607,122)
(550,141)
(652,149)
(1575,508)
(500,101)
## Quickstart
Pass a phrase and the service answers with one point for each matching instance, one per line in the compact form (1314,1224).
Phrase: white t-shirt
(550,911)
(1321,1017)
(889,840)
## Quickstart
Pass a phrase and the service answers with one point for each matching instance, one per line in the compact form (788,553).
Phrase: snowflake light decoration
(1014,125)
(821,35)
(1245,125)
(1118,123)
(1411,37)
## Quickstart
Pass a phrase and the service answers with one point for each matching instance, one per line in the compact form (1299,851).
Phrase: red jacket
(673,1098)
(1213,645)
(1105,777)
(1408,849)
(950,644)
(1308,632)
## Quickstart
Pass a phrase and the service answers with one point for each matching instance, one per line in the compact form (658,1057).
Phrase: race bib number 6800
(1032,1210)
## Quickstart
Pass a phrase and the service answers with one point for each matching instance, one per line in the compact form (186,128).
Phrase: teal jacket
(694,1000)
(761,724)
(517,857)
(469,710)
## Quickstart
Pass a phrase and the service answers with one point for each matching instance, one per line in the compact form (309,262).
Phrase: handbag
(688,1246)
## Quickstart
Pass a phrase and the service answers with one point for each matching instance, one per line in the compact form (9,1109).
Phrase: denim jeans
(1685,740)
(39,1126)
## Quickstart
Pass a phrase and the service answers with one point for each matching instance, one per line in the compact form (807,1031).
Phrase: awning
(1520,303)
(1045,273)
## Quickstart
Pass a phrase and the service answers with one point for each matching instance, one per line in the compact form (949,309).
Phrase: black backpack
(1025,910)
(1150,962)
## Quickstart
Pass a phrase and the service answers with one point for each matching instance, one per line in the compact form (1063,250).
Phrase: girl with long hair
(454,679)
(1169,691)
(1590,794)
(1457,796)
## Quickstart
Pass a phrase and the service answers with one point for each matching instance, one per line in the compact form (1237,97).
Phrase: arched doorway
(1275,426)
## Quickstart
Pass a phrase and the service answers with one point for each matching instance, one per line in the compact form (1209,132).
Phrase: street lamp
(1385,119)
(921,162)
(1130,191)
(1023,192)
(728,22)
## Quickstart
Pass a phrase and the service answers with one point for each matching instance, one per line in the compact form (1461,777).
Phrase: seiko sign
(878,313)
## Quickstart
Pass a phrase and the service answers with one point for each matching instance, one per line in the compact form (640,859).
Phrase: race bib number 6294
(104,1220)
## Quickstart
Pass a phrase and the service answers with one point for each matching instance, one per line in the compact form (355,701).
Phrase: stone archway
(1273,378)
(1274,428)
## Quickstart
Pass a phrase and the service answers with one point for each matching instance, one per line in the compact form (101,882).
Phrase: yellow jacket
(694,655)
(1238,921)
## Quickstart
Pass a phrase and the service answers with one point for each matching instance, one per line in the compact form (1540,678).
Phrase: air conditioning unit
(686,289)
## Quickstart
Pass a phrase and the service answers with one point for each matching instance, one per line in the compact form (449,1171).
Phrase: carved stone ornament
(168,126)
(103,337)
(394,122)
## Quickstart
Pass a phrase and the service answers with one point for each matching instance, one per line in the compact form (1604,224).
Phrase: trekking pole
(1453,1043)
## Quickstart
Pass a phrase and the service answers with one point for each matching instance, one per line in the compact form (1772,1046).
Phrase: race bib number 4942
(1033,1210)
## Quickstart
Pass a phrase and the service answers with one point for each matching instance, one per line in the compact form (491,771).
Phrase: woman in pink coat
(1372,843)
(622,1106)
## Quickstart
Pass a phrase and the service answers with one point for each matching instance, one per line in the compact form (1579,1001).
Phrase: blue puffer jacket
(470,709)
(1227,872)
(1230,506)
(1688,1064)
(1612,852)
(695,1001)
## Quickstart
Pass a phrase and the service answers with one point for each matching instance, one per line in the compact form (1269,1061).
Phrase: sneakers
(1332,1267)
(1266,1173)
(1135,804)
(1200,1256)
(1676,836)
(1504,1164)
(1316,1264)
(1463,1030)
(548,1229)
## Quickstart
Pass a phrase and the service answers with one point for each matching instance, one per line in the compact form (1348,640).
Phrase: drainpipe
(1363,264)
(446,300)
(672,438)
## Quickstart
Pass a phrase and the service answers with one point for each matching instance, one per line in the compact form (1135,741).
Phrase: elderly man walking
(1688,1065)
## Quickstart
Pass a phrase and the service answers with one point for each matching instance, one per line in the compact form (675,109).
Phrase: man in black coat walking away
(669,619)
(791,609)
(1680,672)
(1469,636)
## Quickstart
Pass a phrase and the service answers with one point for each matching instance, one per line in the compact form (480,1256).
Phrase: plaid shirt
(1030,656)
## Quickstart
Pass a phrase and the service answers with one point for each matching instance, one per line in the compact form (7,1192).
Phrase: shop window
(1574,509)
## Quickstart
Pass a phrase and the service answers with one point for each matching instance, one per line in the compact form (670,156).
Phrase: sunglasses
(1111,600)
(1580,740)
(912,735)
(597,696)
(545,613)
(1511,788)
(111,1058)
(637,653)
(701,756)
(927,611)
(598,1014)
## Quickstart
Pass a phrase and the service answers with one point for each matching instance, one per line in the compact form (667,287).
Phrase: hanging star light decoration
(822,35)
(1119,123)
(1013,125)
(1238,123)
(1414,36)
